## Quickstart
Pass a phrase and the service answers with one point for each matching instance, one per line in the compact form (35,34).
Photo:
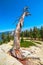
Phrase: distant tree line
(35,33)
(6,37)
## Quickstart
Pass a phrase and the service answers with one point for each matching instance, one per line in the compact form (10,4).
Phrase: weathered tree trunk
(16,51)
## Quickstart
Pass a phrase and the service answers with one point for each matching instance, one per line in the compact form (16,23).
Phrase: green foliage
(1,42)
(26,33)
(22,34)
(36,33)
(31,33)
(3,37)
(27,44)
(22,40)
(8,37)
(12,37)
(41,32)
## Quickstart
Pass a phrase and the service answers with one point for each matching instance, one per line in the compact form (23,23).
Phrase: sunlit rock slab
(6,59)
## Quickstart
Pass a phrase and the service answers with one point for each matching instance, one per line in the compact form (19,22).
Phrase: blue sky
(10,10)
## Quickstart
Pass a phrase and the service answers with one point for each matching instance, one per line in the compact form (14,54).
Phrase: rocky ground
(6,59)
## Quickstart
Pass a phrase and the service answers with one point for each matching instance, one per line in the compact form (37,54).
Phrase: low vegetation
(26,43)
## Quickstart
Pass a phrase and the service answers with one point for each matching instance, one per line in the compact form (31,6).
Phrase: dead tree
(16,51)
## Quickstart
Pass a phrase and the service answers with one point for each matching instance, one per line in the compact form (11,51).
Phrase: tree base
(17,54)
